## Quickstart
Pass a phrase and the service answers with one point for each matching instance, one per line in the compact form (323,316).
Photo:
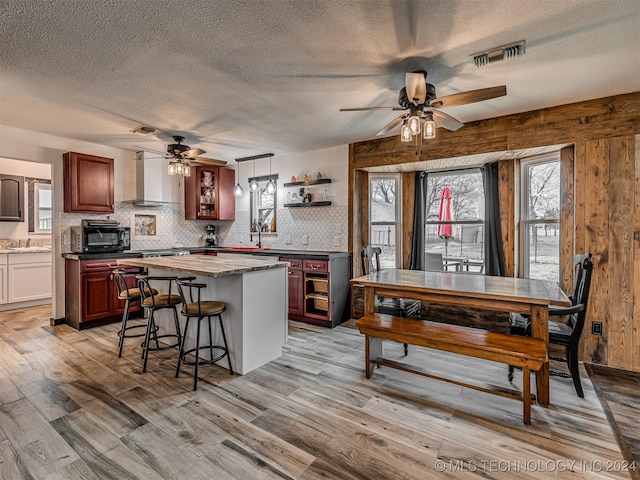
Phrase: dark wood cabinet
(91,296)
(296,294)
(319,289)
(88,183)
(11,198)
(208,194)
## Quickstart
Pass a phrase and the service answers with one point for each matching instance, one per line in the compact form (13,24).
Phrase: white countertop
(26,250)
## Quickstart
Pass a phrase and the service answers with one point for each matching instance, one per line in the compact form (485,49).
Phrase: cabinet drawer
(88,266)
(315,265)
(295,263)
(22,258)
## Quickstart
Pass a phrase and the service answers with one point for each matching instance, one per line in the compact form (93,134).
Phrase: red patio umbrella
(444,230)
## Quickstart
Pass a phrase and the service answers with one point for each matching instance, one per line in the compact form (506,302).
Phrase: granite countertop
(207,266)
(26,250)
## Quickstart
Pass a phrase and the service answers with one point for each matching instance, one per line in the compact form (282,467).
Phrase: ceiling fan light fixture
(186,170)
(429,128)
(179,168)
(414,124)
(405,133)
(171,168)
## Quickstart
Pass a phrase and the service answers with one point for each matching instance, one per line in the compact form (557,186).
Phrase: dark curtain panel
(493,249)
(419,217)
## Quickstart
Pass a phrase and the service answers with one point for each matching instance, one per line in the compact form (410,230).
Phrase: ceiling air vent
(497,54)
(143,130)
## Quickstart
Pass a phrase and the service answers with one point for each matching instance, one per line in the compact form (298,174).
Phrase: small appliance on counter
(100,236)
(211,239)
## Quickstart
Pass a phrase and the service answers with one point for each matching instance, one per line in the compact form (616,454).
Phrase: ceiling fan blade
(391,125)
(471,96)
(362,109)
(445,120)
(416,85)
(193,153)
(206,161)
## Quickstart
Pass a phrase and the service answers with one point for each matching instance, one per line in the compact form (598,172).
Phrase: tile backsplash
(325,228)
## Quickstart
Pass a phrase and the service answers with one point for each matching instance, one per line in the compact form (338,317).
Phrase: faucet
(259,244)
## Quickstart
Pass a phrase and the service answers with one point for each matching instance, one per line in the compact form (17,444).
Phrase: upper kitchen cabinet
(208,194)
(11,198)
(88,183)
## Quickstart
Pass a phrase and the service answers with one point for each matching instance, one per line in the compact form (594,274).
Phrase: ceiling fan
(177,152)
(419,99)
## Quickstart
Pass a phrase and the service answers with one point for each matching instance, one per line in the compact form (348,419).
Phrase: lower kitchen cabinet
(18,287)
(3,278)
(91,296)
(319,290)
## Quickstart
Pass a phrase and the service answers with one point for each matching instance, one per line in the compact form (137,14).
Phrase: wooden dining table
(503,294)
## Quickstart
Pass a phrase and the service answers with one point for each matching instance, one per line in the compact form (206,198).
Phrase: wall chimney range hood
(149,182)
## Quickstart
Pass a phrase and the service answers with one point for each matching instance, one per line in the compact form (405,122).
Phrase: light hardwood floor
(70,408)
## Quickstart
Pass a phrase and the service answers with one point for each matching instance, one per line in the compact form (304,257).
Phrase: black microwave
(100,236)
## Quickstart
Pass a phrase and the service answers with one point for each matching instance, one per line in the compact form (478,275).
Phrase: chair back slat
(584,270)
(370,257)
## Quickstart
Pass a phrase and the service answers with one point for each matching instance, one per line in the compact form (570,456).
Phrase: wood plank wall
(600,201)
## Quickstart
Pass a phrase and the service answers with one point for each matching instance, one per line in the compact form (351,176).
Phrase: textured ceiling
(244,77)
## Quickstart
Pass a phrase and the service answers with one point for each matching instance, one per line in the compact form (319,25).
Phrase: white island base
(255,321)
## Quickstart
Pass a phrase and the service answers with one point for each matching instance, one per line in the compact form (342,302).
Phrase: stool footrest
(201,361)
(133,327)
(164,347)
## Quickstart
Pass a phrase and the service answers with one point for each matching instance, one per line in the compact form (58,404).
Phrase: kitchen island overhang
(255,292)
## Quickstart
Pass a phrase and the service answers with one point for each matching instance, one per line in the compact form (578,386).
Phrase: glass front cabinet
(208,194)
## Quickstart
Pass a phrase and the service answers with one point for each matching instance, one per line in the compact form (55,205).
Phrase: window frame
(398,212)
(37,188)
(525,222)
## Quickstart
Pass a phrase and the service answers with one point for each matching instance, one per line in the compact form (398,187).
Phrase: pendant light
(253,185)
(405,132)
(271,185)
(238,190)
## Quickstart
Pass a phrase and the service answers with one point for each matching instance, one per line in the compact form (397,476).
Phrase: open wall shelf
(308,204)
(308,183)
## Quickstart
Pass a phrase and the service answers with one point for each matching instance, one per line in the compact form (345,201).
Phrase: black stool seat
(194,307)
(153,303)
(126,291)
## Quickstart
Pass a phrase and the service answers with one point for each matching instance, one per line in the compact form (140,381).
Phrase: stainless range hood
(152,188)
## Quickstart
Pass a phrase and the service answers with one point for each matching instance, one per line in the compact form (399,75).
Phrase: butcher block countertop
(204,265)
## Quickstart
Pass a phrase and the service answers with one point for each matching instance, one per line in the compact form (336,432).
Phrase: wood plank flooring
(71,409)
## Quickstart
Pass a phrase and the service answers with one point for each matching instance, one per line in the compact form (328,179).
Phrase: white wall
(20,230)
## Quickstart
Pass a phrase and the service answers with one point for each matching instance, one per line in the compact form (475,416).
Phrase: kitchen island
(254,290)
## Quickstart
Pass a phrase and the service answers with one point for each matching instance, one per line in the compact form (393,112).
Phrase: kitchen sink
(243,249)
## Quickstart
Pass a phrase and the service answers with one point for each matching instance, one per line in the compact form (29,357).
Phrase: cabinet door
(23,288)
(296,293)
(97,295)
(11,198)
(208,194)
(3,284)
(88,183)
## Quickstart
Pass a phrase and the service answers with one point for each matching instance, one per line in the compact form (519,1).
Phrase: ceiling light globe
(253,185)
(405,133)
(171,169)
(271,187)
(414,124)
(238,190)
(429,130)
(186,171)
(179,168)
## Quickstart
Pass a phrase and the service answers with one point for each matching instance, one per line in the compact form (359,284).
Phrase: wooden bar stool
(194,307)
(125,283)
(153,303)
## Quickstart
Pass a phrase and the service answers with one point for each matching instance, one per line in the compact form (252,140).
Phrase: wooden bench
(528,353)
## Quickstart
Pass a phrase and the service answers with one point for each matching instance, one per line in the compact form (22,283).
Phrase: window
(460,238)
(540,218)
(40,205)
(384,219)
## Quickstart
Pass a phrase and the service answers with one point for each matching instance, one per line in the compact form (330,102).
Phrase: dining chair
(398,307)
(566,334)
(433,262)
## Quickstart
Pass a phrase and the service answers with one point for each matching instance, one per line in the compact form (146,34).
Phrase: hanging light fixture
(238,190)
(253,185)
(429,127)
(405,132)
(414,124)
(271,185)
(179,167)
